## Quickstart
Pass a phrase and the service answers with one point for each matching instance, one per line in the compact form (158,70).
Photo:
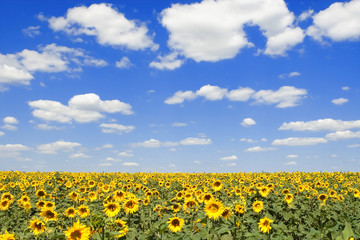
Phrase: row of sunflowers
(224,206)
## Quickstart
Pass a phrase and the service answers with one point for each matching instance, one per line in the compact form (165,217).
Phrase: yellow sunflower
(37,226)
(111,209)
(258,206)
(176,207)
(131,206)
(217,185)
(119,195)
(78,232)
(123,228)
(239,209)
(40,193)
(4,204)
(264,224)
(7,236)
(70,212)
(83,211)
(226,213)
(175,224)
(214,209)
(289,198)
(49,214)
(323,197)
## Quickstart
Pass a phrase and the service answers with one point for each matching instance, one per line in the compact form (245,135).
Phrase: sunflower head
(78,232)
(37,226)
(131,206)
(214,209)
(49,214)
(264,224)
(175,224)
(258,206)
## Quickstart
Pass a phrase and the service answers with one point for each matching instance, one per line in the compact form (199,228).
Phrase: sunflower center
(112,207)
(217,184)
(76,234)
(266,223)
(175,222)
(4,203)
(50,214)
(214,208)
(38,225)
(130,204)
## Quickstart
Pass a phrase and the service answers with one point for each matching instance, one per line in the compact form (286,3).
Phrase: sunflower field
(224,206)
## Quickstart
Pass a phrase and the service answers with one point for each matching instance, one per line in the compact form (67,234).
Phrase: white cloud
(10,120)
(196,32)
(354,146)
(130,164)
(195,141)
(339,22)
(12,150)
(305,15)
(292,156)
(108,25)
(296,141)
(247,122)
(289,75)
(81,108)
(152,143)
(179,124)
(61,145)
(240,94)
(123,63)
(229,158)
(249,140)
(107,145)
(286,96)
(260,149)
(31,31)
(345,88)
(326,124)
(79,155)
(290,163)
(180,97)
(44,126)
(9,127)
(18,69)
(126,154)
(168,62)
(115,128)
(2,133)
(340,135)
(339,101)
(107,164)
(212,93)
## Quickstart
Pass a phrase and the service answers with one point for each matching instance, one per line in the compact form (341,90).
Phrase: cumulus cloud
(286,96)
(298,141)
(115,128)
(229,158)
(341,135)
(10,120)
(196,32)
(126,154)
(339,22)
(249,140)
(109,26)
(326,124)
(339,101)
(260,149)
(179,124)
(130,164)
(79,155)
(289,75)
(247,122)
(305,15)
(195,141)
(2,133)
(55,147)
(18,69)
(180,97)
(123,63)
(168,62)
(292,156)
(154,143)
(31,31)
(9,127)
(81,108)
(12,150)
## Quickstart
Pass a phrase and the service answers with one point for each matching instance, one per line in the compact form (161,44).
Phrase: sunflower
(289,198)
(40,193)
(83,211)
(322,197)
(7,236)
(49,204)
(176,207)
(119,195)
(175,224)
(146,201)
(74,196)
(49,214)
(340,197)
(124,228)
(226,213)
(78,232)
(4,204)
(240,209)
(258,206)
(190,204)
(40,204)
(264,224)
(111,209)
(8,196)
(37,226)
(264,191)
(208,197)
(131,206)
(217,185)
(214,209)
(70,212)
(92,196)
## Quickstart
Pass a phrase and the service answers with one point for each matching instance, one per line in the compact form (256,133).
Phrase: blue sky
(190,86)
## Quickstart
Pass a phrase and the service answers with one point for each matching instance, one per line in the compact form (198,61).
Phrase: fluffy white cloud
(2,133)
(260,149)
(130,164)
(126,154)
(291,163)
(289,75)
(9,127)
(286,96)
(292,156)
(107,145)
(79,155)
(151,143)
(247,122)
(305,15)
(44,126)
(212,93)
(339,22)
(240,94)
(249,140)
(340,135)
(12,150)
(326,124)
(81,108)
(195,141)
(196,32)
(168,62)
(123,63)
(229,158)
(179,124)
(10,120)
(345,88)
(297,141)
(31,31)
(339,101)
(115,128)
(180,97)
(18,69)
(108,25)
(61,145)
